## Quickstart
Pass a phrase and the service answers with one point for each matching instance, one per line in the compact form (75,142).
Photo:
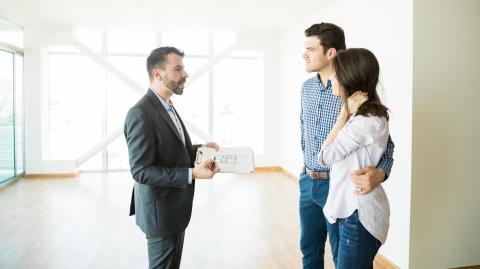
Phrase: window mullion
(103,52)
(210,87)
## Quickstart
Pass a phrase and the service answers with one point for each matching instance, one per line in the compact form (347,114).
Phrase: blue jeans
(313,225)
(357,246)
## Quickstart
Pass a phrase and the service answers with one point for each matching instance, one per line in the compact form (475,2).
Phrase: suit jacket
(159,161)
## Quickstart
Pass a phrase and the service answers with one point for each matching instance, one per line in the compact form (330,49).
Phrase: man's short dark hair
(330,35)
(158,57)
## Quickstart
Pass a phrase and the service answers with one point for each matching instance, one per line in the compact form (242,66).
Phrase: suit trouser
(165,252)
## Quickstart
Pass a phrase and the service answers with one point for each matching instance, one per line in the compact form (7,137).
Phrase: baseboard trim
(275,169)
(290,175)
(379,259)
(50,176)
(268,169)
(384,262)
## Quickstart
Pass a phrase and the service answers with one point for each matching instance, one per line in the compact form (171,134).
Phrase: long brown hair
(357,69)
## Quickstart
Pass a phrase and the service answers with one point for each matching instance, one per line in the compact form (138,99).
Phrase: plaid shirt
(319,111)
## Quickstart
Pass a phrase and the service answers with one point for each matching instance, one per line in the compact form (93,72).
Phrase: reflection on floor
(238,221)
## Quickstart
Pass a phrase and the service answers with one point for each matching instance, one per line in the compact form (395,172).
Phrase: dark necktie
(177,122)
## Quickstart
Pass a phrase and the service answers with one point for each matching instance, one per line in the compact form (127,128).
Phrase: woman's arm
(359,132)
(341,120)
(351,137)
(353,103)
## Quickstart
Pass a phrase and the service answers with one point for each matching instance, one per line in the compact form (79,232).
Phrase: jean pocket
(351,226)
(303,183)
(348,235)
(352,221)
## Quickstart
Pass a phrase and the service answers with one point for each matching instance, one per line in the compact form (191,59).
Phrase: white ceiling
(239,15)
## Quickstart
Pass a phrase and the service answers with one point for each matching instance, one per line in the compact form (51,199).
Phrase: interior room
(71,70)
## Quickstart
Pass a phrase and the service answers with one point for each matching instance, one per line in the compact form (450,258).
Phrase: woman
(357,140)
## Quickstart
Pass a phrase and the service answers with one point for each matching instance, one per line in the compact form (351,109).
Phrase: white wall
(445,180)
(384,27)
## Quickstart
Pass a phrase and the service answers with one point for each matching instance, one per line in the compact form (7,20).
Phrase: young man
(161,161)
(319,110)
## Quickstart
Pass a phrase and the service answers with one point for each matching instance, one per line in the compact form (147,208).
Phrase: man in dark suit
(162,161)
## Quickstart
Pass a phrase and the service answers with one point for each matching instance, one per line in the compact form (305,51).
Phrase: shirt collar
(323,88)
(166,105)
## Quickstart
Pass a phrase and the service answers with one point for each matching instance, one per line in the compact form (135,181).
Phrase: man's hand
(355,100)
(367,179)
(205,170)
(212,145)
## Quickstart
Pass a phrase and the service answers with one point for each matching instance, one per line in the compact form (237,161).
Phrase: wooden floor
(238,221)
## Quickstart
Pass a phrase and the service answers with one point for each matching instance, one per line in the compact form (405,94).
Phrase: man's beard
(174,86)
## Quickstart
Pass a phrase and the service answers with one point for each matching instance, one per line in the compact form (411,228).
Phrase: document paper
(229,159)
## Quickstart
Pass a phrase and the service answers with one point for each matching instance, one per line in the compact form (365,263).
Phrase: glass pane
(75,106)
(131,42)
(65,49)
(238,103)
(91,38)
(192,43)
(223,40)
(19,115)
(118,155)
(193,104)
(133,68)
(121,97)
(195,139)
(93,164)
(192,65)
(7,164)
(247,54)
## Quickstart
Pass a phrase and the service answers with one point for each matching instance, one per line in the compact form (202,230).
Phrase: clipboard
(229,159)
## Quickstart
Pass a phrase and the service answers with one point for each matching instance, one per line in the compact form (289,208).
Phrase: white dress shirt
(360,143)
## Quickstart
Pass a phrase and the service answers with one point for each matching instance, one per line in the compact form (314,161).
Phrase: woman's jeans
(357,247)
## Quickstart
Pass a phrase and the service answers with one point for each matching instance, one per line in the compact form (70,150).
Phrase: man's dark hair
(330,35)
(158,57)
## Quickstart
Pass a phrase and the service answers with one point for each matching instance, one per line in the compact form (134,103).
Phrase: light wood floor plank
(239,221)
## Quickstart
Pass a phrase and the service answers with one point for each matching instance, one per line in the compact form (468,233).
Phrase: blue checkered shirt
(319,111)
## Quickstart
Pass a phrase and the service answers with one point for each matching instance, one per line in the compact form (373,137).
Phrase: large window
(238,103)
(11,102)
(7,135)
(18,115)
(75,105)
(86,101)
